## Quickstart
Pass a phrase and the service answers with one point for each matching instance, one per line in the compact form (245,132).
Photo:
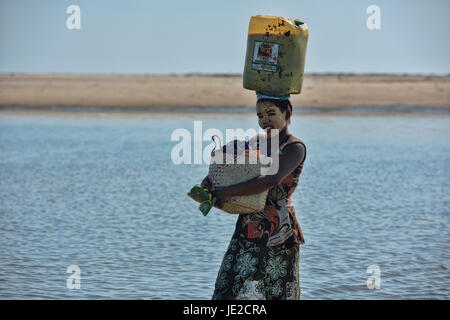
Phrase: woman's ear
(288,114)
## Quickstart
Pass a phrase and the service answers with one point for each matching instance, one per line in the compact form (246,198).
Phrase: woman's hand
(222,194)
(206,183)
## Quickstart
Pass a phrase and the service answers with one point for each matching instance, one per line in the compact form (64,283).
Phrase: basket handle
(212,175)
(215,144)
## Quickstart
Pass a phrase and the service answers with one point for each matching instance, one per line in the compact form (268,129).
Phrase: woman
(262,260)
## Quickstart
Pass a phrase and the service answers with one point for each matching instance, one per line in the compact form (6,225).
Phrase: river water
(99,193)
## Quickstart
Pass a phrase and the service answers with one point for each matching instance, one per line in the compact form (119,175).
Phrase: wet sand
(336,93)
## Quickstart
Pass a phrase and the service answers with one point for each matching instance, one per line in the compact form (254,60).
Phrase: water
(100,191)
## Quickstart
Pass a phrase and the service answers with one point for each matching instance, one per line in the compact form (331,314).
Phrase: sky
(196,36)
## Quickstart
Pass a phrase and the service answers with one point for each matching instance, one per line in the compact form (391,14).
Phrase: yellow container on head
(275,58)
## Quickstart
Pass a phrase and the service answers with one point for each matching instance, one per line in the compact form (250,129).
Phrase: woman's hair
(283,105)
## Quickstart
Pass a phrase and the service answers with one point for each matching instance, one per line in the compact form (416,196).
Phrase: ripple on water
(101,193)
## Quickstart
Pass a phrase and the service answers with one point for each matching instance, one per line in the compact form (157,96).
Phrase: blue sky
(138,36)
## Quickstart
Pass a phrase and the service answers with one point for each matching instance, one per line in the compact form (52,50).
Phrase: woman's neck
(282,136)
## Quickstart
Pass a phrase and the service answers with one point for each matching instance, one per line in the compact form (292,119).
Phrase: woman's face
(270,116)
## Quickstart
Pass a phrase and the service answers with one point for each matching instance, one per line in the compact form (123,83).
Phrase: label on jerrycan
(265,56)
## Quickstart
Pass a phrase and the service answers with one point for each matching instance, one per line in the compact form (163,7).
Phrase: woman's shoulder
(293,140)
(298,143)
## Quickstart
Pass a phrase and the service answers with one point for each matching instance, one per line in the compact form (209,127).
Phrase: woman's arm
(292,156)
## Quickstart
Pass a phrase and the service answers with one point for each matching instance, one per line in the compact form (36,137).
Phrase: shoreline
(180,112)
(362,110)
(321,93)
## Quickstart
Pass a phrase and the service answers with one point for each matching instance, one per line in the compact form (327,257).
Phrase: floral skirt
(251,271)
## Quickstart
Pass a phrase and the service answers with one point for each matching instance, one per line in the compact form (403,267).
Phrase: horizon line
(225,74)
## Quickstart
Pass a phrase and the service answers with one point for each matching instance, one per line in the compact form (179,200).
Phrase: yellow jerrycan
(275,58)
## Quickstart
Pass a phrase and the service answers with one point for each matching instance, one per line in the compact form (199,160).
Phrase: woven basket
(227,168)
